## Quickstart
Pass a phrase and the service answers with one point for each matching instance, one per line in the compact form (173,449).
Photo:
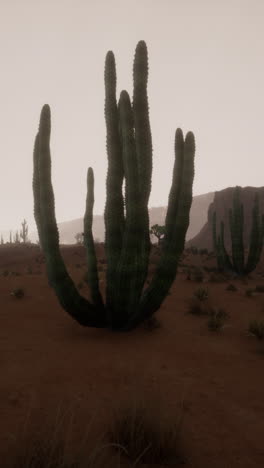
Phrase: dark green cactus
(236,223)
(127,239)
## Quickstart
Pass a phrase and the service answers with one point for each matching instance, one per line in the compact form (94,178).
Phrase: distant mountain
(198,217)
(223,200)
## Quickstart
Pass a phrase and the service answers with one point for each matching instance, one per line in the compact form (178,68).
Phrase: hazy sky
(206,65)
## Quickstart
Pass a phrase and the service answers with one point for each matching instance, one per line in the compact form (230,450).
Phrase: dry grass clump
(142,436)
(50,446)
(217,318)
(256,328)
(137,433)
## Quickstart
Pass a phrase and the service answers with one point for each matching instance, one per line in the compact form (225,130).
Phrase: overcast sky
(206,74)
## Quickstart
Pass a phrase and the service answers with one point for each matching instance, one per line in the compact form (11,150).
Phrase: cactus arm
(89,243)
(143,141)
(128,284)
(77,306)
(114,207)
(35,187)
(256,238)
(176,226)
(225,260)
(236,228)
(175,192)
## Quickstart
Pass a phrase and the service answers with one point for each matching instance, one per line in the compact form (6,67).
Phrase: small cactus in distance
(24,232)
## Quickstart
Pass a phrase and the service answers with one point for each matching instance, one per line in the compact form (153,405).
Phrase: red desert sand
(51,366)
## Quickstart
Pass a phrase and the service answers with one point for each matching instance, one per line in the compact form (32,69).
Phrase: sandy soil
(50,363)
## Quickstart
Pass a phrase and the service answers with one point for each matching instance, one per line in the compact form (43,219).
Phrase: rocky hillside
(223,200)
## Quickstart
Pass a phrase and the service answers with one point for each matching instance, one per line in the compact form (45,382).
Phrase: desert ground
(55,373)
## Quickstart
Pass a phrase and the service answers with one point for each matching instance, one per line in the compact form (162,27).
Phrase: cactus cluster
(127,238)
(236,222)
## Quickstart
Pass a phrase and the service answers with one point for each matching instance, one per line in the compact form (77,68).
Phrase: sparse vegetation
(256,328)
(217,318)
(18,293)
(201,294)
(141,437)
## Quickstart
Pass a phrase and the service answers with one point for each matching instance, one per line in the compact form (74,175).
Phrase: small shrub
(249,292)
(201,294)
(18,293)
(231,287)
(217,317)
(143,439)
(256,328)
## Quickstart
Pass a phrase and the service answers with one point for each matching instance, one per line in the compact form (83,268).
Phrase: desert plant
(79,238)
(249,292)
(236,223)
(127,241)
(24,232)
(201,294)
(256,328)
(141,439)
(158,231)
(217,317)
(18,293)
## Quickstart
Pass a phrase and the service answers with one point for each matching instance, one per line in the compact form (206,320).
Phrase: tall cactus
(127,239)
(236,223)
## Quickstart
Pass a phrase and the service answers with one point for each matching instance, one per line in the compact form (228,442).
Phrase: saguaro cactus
(127,239)
(24,231)
(236,223)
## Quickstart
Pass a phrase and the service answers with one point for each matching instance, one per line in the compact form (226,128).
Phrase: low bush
(217,318)
(18,293)
(201,294)
(256,328)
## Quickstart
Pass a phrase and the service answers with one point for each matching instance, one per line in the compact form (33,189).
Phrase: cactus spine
(127,239)
(236,223)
